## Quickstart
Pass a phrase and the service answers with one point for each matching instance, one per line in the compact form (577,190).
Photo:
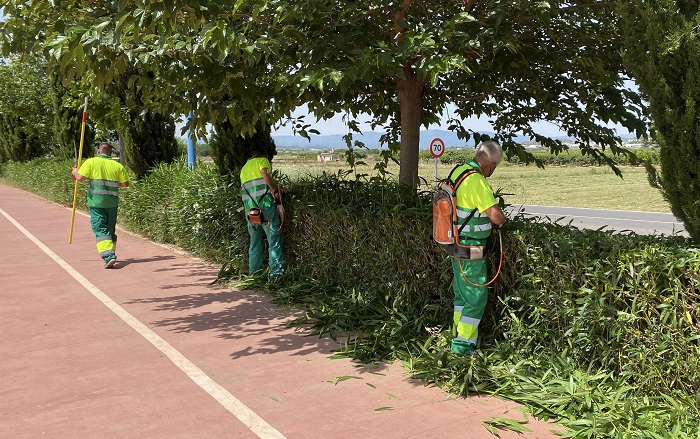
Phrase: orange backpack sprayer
(446,228)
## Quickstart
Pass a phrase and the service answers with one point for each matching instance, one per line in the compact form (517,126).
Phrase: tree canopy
(25,110)
(514,62)
(230,150)
(663,52)
(67,123)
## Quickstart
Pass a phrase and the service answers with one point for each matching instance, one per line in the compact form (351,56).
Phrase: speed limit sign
(437,147)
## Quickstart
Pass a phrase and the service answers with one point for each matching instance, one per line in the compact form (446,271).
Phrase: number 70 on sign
(437,148)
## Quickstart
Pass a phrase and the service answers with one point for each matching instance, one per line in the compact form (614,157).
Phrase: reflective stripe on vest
(103,184)
(479,222)
(252,192)
(253,187)
(479,225)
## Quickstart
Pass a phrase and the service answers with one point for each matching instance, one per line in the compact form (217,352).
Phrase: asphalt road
(643,223)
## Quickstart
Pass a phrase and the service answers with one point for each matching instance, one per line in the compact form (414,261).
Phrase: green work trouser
(469,303)
(271,229)
(103,221)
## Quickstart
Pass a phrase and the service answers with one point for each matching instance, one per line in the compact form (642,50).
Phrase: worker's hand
(73,171)
(494,229)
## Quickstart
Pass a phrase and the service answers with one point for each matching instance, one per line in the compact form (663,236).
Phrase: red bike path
(152,350)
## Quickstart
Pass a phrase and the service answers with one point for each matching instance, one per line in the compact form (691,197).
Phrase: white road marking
(254,422)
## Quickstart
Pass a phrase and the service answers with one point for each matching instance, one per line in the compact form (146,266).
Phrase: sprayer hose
(498,271)
(281,219)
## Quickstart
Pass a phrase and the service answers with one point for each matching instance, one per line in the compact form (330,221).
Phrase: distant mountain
(333,141)
(371,140)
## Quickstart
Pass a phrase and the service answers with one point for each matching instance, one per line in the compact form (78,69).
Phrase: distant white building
(330,156)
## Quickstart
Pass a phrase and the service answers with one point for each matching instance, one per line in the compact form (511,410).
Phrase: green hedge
(48,178)
(598,331)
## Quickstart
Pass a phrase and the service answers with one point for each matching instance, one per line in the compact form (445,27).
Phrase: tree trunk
(410,91)
(122,157)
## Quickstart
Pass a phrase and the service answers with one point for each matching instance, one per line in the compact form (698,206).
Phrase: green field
(571,186)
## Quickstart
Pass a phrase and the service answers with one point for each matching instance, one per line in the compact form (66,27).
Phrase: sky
(337,126)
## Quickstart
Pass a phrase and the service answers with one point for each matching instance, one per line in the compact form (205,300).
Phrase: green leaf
(507,424)
(493,430)
(340,379)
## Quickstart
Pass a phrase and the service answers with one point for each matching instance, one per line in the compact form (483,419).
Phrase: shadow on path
(247,318)
(121,263)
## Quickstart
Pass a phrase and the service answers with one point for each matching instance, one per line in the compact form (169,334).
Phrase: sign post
(437,148)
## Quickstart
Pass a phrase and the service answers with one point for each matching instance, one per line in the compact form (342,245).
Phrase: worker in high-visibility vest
(477,207)
(259,191)
(105,176)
